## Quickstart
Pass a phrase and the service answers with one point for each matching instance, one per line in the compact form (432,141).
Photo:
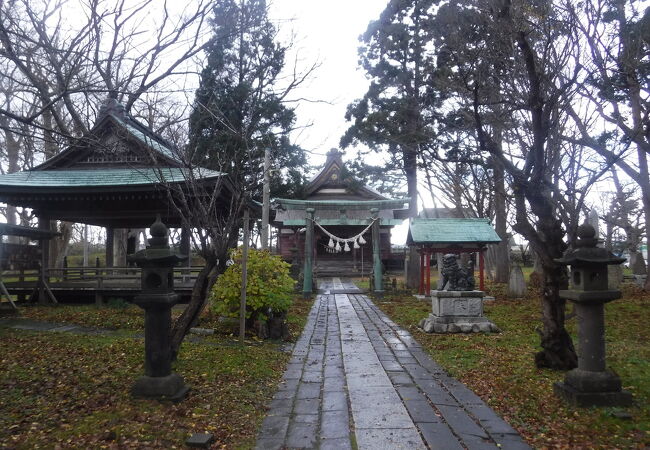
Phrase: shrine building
(343,209)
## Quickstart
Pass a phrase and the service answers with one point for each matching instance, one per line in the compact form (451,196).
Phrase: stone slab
(438,436)
(200,440)
(335,424)
(389,439)
(302,435)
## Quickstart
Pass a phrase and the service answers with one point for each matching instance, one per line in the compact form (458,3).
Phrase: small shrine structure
(342,212)
(449,235)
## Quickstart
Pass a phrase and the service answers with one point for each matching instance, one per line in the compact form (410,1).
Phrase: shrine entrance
(357,241)
(342,208)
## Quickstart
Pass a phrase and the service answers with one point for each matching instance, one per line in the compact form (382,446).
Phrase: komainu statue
(455,277)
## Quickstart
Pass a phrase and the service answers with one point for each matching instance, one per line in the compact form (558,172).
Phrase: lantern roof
(586,250)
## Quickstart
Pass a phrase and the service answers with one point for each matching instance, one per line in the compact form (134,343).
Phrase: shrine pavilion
(340,210)
(120,175)
(449,235)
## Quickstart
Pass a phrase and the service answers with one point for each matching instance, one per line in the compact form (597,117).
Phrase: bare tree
(616,87)
(57,69)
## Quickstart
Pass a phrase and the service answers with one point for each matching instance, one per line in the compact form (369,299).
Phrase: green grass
(500,368)
(72,391)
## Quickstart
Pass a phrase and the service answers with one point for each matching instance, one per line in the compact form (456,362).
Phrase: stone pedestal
(457,312)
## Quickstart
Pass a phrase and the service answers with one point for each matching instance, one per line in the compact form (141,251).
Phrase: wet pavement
(356,379)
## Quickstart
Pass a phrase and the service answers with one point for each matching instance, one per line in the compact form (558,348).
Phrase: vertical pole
(86,263)
(428,263)
(110,250)
(308,280)
(376,255)
(244,279)
(43,224)
(266,200)
(481,270)
(421,290)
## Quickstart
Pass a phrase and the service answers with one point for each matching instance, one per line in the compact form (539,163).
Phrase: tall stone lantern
(591,384)
(157,297)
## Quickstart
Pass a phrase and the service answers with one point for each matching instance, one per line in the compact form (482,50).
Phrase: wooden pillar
(376,253)
(428,263)
(421,289)
(43,224)
(308,275)
(481,270)
(110,250)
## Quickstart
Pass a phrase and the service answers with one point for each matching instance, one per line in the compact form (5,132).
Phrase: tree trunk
(120,236)
(646,210)
(200,294)
(558,351)
(59,245)
(410,170)
(637,263)
(12,146)
(502,251)
(547,240)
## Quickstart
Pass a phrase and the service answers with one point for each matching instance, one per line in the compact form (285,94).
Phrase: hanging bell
(362,240)
(347,246)
(338,246)
(331,243)
(356,244)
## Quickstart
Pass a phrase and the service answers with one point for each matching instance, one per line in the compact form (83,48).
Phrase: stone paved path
(356,378)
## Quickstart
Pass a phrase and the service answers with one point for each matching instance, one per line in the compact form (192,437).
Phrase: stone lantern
(157,297)
(591,384)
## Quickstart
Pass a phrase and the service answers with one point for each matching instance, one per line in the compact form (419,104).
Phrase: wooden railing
(98,276)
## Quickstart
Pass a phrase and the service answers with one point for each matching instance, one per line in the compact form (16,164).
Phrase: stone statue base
(172,388)
(584,389)
(457,312)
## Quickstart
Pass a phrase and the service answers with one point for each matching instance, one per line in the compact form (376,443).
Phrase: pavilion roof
(113,120)
(116,175)
(451,231)
(65,179)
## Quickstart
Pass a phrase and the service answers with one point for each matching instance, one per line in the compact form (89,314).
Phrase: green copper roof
(148,141)
(284,203)
(78,178)
(457,231)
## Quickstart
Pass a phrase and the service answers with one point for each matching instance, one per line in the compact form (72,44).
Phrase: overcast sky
(327,32)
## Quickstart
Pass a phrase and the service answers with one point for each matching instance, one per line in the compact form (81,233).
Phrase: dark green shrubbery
(269,291)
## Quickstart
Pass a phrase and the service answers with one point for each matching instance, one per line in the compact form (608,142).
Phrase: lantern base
(171,388)
(587,399)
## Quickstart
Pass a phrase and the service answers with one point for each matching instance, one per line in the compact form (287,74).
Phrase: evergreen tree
(239,109)
(396,114)
(238,112)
